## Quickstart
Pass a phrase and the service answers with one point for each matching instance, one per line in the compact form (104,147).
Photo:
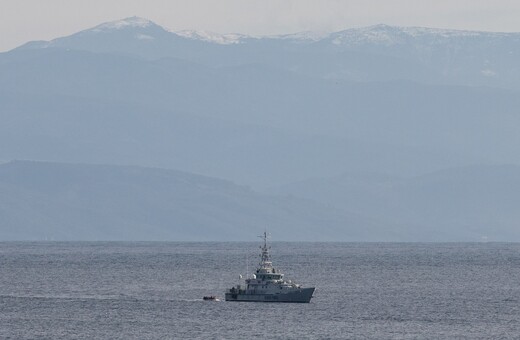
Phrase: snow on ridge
(448,33)
(302,36)
(221,39)
(124,23)
(390,35)
(377,34)
(236,38)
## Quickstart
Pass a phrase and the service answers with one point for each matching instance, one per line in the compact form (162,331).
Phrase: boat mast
(265,257)
(265,236)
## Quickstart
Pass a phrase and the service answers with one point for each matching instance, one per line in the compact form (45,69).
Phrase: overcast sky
(25,20)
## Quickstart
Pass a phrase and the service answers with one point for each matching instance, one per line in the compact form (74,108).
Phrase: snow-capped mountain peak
(124,23)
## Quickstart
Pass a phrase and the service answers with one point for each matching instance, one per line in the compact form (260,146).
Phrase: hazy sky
(25,20)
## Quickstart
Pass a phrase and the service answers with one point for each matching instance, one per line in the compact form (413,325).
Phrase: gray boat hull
(302,295)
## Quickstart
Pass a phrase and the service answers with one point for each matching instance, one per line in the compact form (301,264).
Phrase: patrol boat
(268,284)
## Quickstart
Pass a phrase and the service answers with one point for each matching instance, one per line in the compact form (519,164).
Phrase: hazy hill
(53,201)
(467,203)
(57,201)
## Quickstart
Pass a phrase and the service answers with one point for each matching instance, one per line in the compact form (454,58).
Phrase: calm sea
(154,291)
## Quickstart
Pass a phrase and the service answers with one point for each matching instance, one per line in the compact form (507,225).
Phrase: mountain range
(279,114)
(375,53)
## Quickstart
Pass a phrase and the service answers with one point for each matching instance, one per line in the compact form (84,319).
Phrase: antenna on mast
(265,236)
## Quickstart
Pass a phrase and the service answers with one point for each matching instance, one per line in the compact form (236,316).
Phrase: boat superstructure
(268,284)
